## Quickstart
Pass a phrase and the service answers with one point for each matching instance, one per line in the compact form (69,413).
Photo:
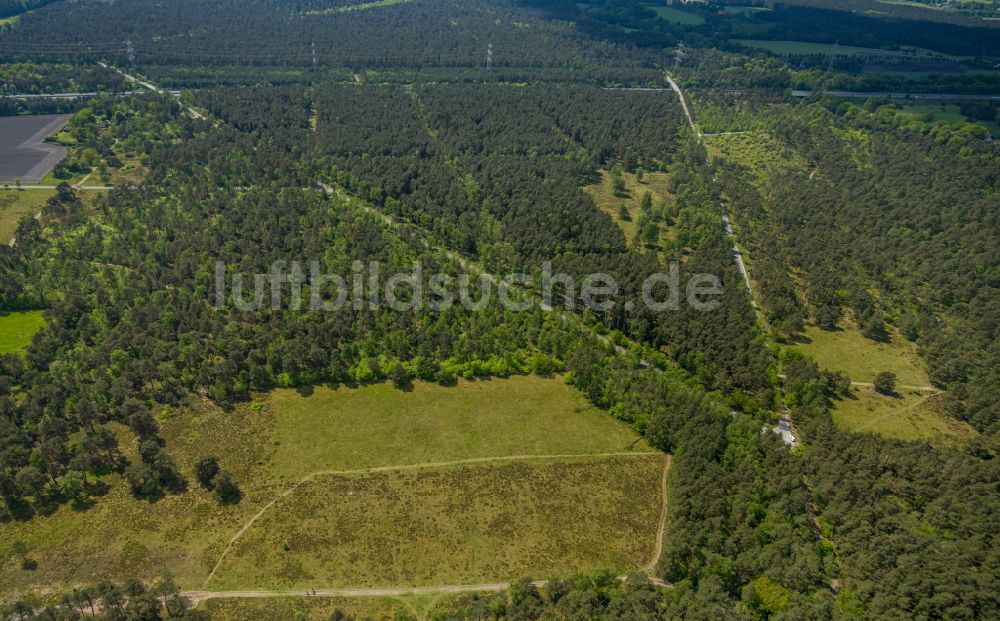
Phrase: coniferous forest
(469,138)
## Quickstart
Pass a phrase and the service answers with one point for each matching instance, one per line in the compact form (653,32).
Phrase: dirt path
(687,112)
(197,597)
(421,466)
(661,531)
(894,413)
(900,386)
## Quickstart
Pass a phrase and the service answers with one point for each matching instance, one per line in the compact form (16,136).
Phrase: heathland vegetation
(322,449)
(153,425)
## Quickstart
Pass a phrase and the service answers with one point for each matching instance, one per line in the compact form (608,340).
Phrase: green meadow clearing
(760,152)
(17,329)
(911,415)
(656,183)
(945,113)
(678,16)
(334,429)
(791,48)
(17,204)
(356,429)
(846,350)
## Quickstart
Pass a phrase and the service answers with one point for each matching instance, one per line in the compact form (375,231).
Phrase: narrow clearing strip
(650,568)
(196,597)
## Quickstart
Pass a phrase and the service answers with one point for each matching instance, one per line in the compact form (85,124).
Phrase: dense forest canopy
(463,136)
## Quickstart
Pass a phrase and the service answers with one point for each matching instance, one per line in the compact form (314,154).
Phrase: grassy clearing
(801,48)
(455,525)
(310,608)
(910,416)
(654,182)
(848,351)
(265,447)
(51,179)
(346,428)
(17,204)
(936,113)
(121,537)
(745,10)
(17,329)
(677,16)
(362,6)
(944,113)
(757,150)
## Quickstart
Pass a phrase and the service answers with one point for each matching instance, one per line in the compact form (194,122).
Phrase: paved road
(156,89)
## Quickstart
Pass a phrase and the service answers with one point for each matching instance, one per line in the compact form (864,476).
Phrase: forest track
(196,597)
(661,530)
(687,112)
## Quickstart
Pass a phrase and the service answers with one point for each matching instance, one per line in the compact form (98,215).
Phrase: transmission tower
(489,56)
(130,50)
(833,54)
(678,55)
(314,55)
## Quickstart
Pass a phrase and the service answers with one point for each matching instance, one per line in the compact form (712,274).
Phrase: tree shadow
(20,509)
(232,498)
(81,505)
(799,338)
(305,390)
(48,504)
(404,387)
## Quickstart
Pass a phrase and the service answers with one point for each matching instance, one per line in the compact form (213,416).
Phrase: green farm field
(501,425)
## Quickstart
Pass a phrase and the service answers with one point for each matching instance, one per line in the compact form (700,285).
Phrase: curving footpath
(421,466)
(196,597)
